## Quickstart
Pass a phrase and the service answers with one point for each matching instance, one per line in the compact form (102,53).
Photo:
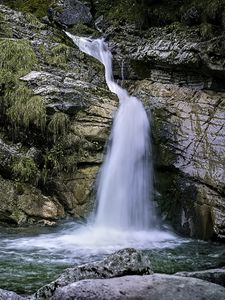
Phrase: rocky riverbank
(102,280)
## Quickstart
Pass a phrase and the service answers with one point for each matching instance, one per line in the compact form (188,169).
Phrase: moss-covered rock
(37,7)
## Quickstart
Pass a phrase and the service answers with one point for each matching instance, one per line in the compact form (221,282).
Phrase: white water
(125,183)
(125,216)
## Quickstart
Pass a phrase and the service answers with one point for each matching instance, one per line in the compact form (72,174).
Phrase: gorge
(56,114)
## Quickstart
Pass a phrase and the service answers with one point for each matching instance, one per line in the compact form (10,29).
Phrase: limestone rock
(157,286)
(189,137)
(124,262)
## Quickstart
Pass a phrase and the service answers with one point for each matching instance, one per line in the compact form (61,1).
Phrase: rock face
(179,77)
(157,286)
(55,117)
(173,62)
(121,263)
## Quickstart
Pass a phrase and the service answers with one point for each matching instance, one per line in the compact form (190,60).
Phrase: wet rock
(124,262)
(157,286)
(213,275)
(7,295)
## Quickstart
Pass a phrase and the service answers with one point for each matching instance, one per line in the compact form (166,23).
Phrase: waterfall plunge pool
(32,257)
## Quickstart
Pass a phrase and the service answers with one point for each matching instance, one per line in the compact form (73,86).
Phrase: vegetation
(5,29)
(16,59)
(145,13)
(58,55)
(58,124)
(28,110)
(25,170)
(37,7)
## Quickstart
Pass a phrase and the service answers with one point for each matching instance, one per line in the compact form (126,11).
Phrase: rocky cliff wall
(171,55)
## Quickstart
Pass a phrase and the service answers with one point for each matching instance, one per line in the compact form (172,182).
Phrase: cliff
(56,111)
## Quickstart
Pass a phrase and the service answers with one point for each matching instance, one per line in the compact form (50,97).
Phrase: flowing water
(125,181)
(125,215)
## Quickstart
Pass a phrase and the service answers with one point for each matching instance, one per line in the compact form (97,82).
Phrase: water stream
(125,182)
(125,215)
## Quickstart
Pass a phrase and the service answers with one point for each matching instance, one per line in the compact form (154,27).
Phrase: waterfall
(125,183)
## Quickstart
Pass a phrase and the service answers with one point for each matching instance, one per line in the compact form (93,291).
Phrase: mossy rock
(37,7)
(58,125)
(59,55)
(25,170)
(5,29)
(17,58)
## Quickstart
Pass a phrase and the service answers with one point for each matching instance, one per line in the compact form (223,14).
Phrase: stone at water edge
(154,287)
(7,295)
(212,275)
(121,263)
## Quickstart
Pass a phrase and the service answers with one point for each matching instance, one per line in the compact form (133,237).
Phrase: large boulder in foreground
(157,286)
(123,262)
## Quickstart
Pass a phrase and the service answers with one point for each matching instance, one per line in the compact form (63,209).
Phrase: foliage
(145,13)
(58,55)
(27,110)
(25,169)
(37,7)
(5,29)
(16,58)
(58,124)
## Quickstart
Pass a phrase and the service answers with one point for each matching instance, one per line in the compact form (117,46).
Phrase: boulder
(121,263)
(157,286)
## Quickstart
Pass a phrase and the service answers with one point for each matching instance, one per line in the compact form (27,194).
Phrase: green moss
(34,21)
(5,29)
(25,170)
(16,57)
(58,125)
(58,55)
(81,29)
(37,7)
(27,110)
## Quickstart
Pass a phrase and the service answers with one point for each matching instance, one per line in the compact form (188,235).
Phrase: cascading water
(125,182)
(125,216)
